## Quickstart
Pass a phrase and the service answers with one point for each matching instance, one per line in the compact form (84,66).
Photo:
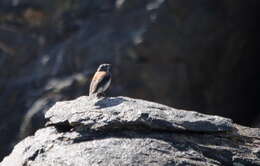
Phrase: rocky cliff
(127,131)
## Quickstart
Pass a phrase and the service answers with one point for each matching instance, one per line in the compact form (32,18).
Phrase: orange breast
(99,75)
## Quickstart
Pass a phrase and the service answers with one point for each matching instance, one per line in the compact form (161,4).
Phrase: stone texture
(194,55)
(123,112)
(125,131)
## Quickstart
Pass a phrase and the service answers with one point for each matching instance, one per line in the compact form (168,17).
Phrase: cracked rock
(126,131)
(123,112)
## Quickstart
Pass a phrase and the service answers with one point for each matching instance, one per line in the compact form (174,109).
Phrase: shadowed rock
(123,112)
(126,131)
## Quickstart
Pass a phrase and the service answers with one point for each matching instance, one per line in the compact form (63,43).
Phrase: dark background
(190,54)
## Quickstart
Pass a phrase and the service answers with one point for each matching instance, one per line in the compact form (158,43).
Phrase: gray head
(104,67)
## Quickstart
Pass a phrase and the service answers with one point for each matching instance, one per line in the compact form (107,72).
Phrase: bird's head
(104,67)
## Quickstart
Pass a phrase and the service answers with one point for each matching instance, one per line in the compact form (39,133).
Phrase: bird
(100,81)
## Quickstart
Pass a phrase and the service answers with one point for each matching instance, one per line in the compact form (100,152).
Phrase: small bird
(101,80)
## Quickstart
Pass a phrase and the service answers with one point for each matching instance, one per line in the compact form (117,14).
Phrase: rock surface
(49,50)
(126,131)
(122,112)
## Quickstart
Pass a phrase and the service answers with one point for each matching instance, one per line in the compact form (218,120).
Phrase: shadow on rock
(148,132)
(178,142)
(109,102)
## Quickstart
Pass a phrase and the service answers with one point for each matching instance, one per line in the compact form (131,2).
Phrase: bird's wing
(97,81)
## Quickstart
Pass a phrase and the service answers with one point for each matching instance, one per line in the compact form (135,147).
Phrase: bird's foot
(100,95)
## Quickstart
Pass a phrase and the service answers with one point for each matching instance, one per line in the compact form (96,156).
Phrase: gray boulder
(126,131)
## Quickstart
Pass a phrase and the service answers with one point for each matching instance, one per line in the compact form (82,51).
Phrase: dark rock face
(126,131)
(196,55)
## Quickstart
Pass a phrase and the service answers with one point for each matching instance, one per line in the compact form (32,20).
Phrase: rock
(205,50)
(127,131)
(123,112)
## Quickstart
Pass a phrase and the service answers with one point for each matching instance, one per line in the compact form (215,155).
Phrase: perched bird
(101,80)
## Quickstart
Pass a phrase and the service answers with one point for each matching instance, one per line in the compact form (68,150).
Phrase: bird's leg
(101,94)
